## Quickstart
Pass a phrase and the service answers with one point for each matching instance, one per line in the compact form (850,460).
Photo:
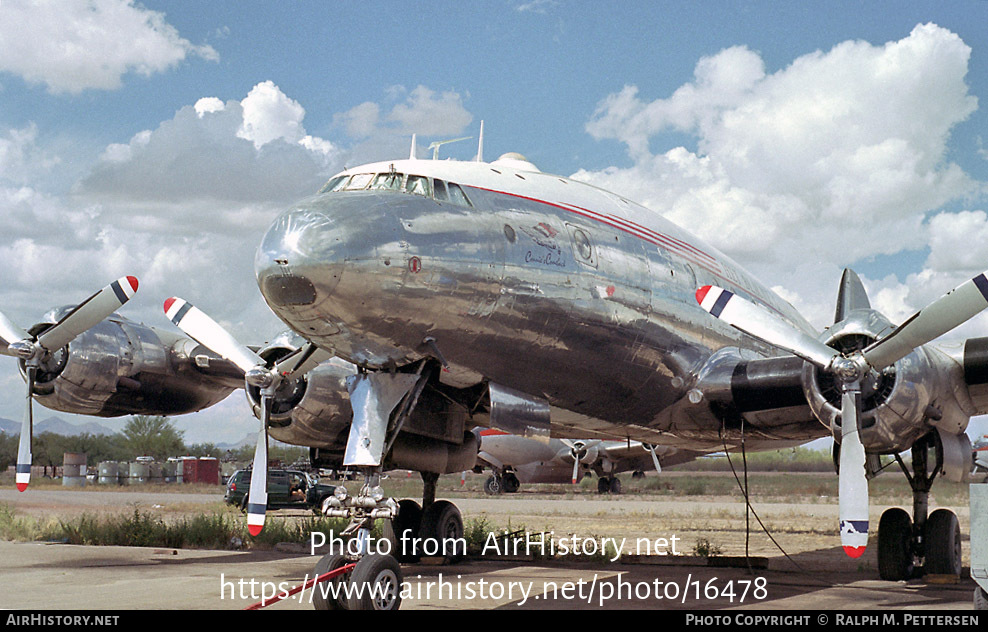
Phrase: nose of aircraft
(301,257)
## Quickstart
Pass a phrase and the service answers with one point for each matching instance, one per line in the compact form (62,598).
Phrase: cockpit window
(439,190)
(457,196)
(334,184)
(419,185)
(391,181)
(359,181)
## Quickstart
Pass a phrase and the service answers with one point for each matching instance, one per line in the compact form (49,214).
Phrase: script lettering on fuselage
(544,236)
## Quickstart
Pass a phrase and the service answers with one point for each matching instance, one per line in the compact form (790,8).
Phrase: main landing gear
(931,543)
(501,482)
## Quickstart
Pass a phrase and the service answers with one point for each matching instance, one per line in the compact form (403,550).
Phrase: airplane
(89,360)
(514,460)
(463,293)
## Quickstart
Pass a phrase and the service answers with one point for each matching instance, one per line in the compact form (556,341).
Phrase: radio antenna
(480,145)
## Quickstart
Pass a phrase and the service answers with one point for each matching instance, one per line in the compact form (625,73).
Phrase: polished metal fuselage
(543,284)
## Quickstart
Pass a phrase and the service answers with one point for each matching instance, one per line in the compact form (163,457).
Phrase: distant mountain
(57,426)
(249,440)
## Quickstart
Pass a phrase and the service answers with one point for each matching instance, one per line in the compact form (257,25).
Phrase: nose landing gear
(411,530)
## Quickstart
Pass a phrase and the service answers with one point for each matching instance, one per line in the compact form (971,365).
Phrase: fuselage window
(359,181)
(439,189)
(419,185)
(457,196)
(390,181)
(334,184)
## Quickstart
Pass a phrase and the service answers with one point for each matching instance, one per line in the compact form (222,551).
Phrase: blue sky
(798,137)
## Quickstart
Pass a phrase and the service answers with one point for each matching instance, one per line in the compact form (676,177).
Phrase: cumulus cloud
(383,132)
(244,153)
(840,156)
(74,46)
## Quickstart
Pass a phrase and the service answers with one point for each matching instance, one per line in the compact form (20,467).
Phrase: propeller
(579,451)
(941,316)
(207,332)
(35,352)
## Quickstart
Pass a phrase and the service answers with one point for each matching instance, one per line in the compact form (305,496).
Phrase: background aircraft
(514,460)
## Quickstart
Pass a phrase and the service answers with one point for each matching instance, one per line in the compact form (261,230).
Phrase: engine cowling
(895,402)
(119,367)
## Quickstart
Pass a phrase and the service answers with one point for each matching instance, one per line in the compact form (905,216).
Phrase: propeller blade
(576,466)
(9,332)
(257,498)
(947,312)
(22,476)
(758,322)
(89,313)
(301,361)
(852,482)
(207,332)
(655,459)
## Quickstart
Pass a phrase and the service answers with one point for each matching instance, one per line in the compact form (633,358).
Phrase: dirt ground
(799,532)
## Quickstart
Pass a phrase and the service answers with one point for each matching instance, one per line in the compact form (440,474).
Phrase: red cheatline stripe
(491,432)
(672,241)
(659,239)
(604,220)
(716,273)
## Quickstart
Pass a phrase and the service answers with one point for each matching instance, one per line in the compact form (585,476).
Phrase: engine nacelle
(895,402)
(119,367)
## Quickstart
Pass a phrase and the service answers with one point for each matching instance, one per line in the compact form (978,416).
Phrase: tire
(511,483)
(980,598)
(943,544)
(325,601)
(493,485)
(615,486)
(442,522)
(603,485)
(895,557)
(243,505)
(408,521)
(380,576)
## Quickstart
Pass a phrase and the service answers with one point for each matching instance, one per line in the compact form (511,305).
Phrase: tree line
(143,435)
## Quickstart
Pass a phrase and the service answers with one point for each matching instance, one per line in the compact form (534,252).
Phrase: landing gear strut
(382,404)
(933,539)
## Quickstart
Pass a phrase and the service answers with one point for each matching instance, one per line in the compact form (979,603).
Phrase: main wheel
(603,485)
(406,524)
(442,524)
(511,483)
(377,583)
(943,544)
(895,556)
(493,485)
(615,485)
(980,598)
(329,595)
